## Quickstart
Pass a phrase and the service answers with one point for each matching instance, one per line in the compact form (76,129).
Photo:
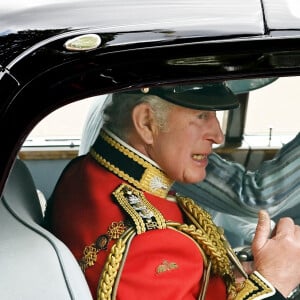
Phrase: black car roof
(170,20)
(24,23)
(214,17)
(231,16)
(164,19)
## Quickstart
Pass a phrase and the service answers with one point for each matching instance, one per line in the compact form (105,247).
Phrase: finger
(297,233)
(248,266)
(262,232)
(284,227)
(297,229)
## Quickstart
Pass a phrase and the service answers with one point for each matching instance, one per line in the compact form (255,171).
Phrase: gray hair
(117,115)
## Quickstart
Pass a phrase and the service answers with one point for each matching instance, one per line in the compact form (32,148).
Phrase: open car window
(271,114)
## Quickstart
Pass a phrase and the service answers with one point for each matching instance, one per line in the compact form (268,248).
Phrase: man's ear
(144,122)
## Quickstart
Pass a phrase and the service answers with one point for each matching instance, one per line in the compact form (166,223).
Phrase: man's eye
(203,116)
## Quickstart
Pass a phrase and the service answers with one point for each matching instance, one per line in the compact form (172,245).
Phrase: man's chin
(195,179)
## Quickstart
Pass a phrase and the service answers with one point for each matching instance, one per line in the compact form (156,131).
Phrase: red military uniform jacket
(111,208)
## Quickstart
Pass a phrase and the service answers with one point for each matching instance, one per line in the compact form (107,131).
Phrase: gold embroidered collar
(128,164)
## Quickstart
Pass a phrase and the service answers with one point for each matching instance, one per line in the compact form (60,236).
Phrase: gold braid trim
(255,287)
(144,215)
(203,231)
(210,238)
(153,179)
(113,168)
(112,266)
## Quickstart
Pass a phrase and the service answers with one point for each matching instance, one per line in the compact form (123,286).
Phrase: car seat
(34,263)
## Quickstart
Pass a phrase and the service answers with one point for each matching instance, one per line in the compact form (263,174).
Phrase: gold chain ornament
(90,253)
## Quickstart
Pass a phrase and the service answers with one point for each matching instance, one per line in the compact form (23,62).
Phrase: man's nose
(217,133)
(219,136)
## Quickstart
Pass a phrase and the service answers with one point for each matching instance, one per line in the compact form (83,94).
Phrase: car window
(274,107)
(272,116)
(62,127)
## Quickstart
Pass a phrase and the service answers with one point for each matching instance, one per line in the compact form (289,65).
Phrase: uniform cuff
(256,287)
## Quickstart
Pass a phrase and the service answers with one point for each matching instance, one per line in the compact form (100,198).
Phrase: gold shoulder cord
(216,246)
(112,266)
(202,230)
(211,239)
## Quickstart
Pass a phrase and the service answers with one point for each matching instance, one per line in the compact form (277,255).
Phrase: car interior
(50,262)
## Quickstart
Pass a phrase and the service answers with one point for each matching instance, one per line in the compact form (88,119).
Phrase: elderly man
(232,194)
(133,238)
